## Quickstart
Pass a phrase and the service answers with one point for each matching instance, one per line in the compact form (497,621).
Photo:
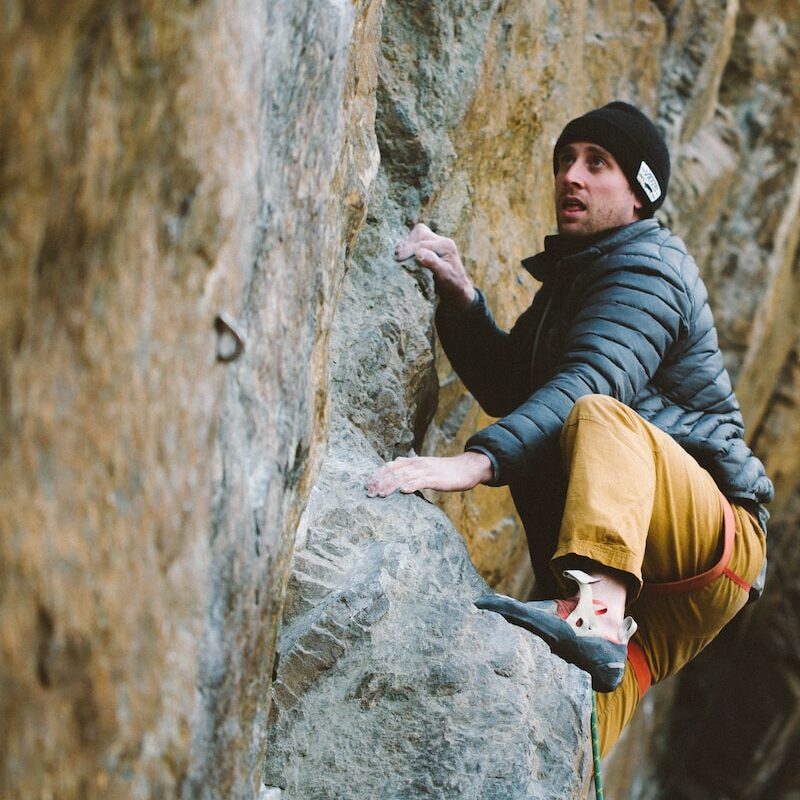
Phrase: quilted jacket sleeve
(631,316)
(482,354)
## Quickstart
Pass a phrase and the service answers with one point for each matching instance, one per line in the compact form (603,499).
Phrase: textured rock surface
(159,165)
(430,695)
(150,178)
(390,683)
(129,198)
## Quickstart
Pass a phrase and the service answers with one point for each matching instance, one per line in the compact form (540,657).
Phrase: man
(619,434)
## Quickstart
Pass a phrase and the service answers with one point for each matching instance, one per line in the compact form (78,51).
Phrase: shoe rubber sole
(602,659)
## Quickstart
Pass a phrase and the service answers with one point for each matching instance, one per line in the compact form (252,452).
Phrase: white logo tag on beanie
(648,182)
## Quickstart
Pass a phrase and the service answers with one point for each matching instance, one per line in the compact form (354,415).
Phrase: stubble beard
(591,224)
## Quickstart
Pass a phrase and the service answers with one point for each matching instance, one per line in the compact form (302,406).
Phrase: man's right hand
(440,256)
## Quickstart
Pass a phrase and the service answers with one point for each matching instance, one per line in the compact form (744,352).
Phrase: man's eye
(598,161)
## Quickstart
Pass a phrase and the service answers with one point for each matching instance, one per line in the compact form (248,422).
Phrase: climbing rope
(598,779)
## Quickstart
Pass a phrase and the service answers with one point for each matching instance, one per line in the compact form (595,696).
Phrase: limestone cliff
(165,166)
(160,166)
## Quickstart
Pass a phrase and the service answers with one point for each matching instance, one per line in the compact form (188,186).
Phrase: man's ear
(637,206)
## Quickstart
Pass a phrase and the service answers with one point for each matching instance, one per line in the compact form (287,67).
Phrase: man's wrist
(458,300)
(481,463)
(491,477)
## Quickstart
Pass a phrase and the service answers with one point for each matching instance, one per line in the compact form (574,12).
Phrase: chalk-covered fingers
(440,255)
(393,476)
(407,246)
(420,238)
(449,474)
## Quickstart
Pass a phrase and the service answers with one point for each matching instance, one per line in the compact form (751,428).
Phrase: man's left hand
(450,474)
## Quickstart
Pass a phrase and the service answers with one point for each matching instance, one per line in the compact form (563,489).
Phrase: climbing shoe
(570,630)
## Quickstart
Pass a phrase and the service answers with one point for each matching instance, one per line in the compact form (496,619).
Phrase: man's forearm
(480,353)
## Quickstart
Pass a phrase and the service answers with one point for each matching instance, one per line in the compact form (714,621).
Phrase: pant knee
(608,412)
(597,405)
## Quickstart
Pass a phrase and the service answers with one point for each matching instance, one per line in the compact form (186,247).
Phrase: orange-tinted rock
(160,165)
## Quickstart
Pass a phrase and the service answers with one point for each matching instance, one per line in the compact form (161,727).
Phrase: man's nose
(575,172)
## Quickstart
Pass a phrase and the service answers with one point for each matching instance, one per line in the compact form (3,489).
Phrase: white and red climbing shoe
(570,630)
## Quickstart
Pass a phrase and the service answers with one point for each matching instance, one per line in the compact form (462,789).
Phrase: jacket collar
(558,248)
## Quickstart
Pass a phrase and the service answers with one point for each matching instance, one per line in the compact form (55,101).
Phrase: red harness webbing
(636,656)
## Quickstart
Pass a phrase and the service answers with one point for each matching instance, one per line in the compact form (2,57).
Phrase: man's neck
(564,244)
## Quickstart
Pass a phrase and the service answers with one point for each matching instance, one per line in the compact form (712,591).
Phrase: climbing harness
(598,778)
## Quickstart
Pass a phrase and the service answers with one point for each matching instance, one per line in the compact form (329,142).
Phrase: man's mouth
(572,204)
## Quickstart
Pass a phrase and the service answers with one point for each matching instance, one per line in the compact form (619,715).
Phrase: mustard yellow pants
(639,503)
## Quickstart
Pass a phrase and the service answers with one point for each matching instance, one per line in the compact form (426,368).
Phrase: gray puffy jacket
(625,316)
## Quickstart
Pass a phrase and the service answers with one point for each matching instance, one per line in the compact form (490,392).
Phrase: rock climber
(619,433)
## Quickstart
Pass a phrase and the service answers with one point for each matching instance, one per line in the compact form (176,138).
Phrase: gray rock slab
(391,683)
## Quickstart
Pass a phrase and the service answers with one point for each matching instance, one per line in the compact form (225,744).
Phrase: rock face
(160,166)
(150,494)
(431,697)
(379,624)
(390,683)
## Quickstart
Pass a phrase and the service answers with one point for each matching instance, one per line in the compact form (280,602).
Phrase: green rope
(598,780)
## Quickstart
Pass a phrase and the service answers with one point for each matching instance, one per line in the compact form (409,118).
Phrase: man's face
(591,191)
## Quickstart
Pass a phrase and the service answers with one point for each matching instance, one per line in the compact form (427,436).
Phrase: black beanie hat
(635,143)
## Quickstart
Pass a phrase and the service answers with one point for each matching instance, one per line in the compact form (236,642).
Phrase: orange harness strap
(640,667)
(636,656)
(720,568)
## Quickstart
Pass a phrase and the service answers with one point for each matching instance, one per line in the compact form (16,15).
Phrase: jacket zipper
(538,334)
